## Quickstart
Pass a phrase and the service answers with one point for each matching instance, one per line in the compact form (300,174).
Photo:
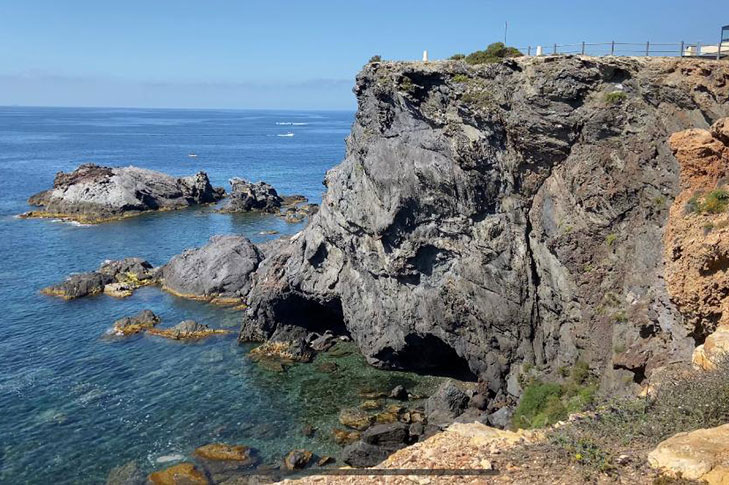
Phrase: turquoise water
(76,403)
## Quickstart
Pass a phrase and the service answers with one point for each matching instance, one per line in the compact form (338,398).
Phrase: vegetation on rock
(495,52)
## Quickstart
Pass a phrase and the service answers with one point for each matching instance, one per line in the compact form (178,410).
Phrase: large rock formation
(248,196)
(122,275)
(220,271)
(489,216)
(93,194)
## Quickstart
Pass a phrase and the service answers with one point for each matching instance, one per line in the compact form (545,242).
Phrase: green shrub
(461,78)
(495,52)
(611,238)
(406,84)
(457,57)
(374,58)
(715,201)
(615,97)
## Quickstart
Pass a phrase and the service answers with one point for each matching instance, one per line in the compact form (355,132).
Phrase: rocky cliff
(488,219)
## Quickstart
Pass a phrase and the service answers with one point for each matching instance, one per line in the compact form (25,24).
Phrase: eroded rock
(219,272)
(182,473)
(247,196)
(140,322)
(94,194)
(697,455)
(123,276)
(186,330)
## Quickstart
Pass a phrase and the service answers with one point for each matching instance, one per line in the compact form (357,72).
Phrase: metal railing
(632,49)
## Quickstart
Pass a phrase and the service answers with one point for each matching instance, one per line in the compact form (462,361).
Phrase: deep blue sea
(75,403)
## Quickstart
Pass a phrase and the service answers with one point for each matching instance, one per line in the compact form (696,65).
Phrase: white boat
(192,155)
(286,134)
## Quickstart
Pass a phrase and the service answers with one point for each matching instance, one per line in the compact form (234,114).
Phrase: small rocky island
(260,196)
(93,194)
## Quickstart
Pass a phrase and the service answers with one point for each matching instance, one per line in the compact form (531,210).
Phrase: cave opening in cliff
(311,314)
(428,354)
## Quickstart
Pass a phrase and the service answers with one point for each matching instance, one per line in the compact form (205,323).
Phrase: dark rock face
(297,459)
(220,269)
(447,403)
(361,454)
(92,193)
(247,196)
(513,218)
(133,272)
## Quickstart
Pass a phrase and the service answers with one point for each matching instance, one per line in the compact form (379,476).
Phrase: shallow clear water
(74,402)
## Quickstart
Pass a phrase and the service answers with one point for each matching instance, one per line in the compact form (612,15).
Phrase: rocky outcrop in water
(219,272)
(186,330)
(123,275)
(490,217)
(138,323)
(94,194)
(248,196)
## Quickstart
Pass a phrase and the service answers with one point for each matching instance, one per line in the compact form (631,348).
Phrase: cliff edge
(491,218)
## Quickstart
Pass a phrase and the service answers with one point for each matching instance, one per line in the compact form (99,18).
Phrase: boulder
(140,322)
(714,349)
(361,454)
(182,473)
(446,404)
(399,393)
(220,271)
(697,455)
(500,418)
(247,196)
(95,194)
(186,330)
(240,454)
(323,342)
(392,436)
(298,459)
(345,437)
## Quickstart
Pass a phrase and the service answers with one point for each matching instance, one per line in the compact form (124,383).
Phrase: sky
(277,54)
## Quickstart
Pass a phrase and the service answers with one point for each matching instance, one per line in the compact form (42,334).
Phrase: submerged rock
(182,473)
(243,455)
(127,474)
(219,272)
(247,196)
(140,322)
(123,276)
(345,437)
(94,194)
(186,330)
(298,459)
(355,418)
(285,352)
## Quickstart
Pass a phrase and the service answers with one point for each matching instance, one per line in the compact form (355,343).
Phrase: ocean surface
(76,403)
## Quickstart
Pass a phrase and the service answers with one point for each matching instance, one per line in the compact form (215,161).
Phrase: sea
(75,402)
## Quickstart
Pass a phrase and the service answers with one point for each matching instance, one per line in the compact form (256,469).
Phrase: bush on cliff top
(715,202)
(495,52)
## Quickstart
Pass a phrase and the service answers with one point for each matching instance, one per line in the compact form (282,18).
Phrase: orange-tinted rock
(180,474)
(343,437)
(187,330)
(298,459)
(224,452)
(696,238)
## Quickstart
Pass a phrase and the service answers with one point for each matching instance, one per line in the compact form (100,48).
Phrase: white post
(539,50)
(425,56)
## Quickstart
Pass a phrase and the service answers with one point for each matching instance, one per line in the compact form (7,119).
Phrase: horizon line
(4,106)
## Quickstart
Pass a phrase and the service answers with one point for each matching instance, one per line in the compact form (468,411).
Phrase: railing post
(718,51)
(612,48)
(648,49)
(529,50)
(583,47)
(555,49)
(681,53)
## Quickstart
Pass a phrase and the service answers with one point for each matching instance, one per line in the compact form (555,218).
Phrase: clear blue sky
(286,54)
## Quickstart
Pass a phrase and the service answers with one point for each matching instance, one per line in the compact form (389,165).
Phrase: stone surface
(361,454)
(392,436)
(218,271)
(181,474)
(345,437)
(514,218)
(186,330)
(226,452)
(129,274)
(695,455)
(94,194)
(247,196)
(697,240)
(714,349)
(399,393)
(355,418)
(447,403)
(297,459)
(140,322)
